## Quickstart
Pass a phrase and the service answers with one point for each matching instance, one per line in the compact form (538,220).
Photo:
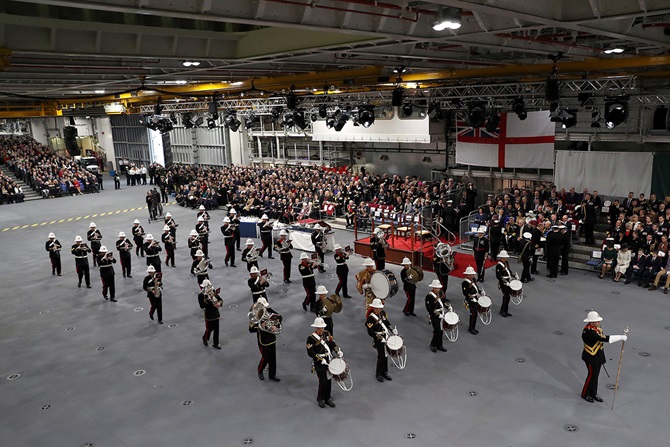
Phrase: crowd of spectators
(46,172)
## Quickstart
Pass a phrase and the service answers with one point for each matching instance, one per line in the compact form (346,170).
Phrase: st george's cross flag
(514,144)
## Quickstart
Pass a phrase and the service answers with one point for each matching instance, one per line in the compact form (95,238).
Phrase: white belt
(81,257)
(308,276)
(103,266)
(151,256)
(258,293)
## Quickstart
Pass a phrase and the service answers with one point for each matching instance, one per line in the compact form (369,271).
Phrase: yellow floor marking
(70,219)
(16,227)
(77,218)
(94,215)
(61,221)
(25,226)
(34,225)
(5,229)
(44,223)
(52,222)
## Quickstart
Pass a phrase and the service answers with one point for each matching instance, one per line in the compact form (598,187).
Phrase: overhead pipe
(549,42)
(353,11)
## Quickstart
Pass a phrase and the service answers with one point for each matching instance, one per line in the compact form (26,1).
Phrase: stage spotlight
(595,119)
(231,121)
(616,111)
(341,121)
(400,69)
(323,111)
(299,119)
(448,18)
(476,114)
(330,122)
(211,123)
(276,113)
(198,121)
(396,99)
(291,101)
(493,121)
(313,118)
(366,116)
(519,108)
(569,118)
(173,118)
(187,120)
(250,121)
(552,90)
(407,109)
(287,120)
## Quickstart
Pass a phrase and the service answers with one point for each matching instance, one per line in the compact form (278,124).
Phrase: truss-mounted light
(366,116)
(448,18)
(493,121)
(476,114)
(616,110)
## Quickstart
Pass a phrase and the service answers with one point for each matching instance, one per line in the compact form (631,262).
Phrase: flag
(514,144)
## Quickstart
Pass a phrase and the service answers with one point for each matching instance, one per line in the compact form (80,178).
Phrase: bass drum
(384,284)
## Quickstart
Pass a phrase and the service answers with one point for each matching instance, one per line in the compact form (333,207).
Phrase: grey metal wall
(131,139)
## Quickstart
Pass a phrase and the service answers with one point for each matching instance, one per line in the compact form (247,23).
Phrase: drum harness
(328,356)
(465,301)
(386,330)
(508,277)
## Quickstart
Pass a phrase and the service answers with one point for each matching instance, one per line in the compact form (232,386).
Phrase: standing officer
(306,269)
(436,308)
(138,237)
(496,237)
(202,228)
(152,285)
(94,236)
(481,251)
(257,284)
(593,354)
(193,243)
(152,248)
(212,302)
(322,309)
(526,256)
(200,267)
(342,270)
(322,349)
(504,276)
(170,244)
(250,254)
(537,245)
(80,252)
(566,234)
(53,246)
(470,296)
(105,261)
(378,244)
(589,216)
(235,222)
(319,242)
(283,246)
(124,246)
(442,269)
(553,249)
(408,286)
(266,236)
(379,328)
(228,241)
(267,345)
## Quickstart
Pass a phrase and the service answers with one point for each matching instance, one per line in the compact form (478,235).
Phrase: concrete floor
(77,356)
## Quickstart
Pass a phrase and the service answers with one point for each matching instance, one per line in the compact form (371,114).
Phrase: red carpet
(463,260)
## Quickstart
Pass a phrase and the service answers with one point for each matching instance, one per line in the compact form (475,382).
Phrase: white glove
(395,331)
(340,354)
(616,338)
(366,286)
(324,363)
(409,277)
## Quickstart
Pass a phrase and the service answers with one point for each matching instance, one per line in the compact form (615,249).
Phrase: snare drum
(339,369)
(395,348)
(384,284)
(515,291)
(484,309)
(450,326)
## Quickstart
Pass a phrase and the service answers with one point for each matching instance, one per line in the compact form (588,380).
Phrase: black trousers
(201,278)
(83,272)
(591,383)
(564,262)
(126,267)
(268,358)
(534,266)
(169,256)
(589,238)
(95,249)
(382,360)
(552,264)
(342,273)
(381,263)
(267,244)
(480,257)
(139,249)
(321,255)
(286,260)
(525,274)
(157,306)
(473,316)
(237,239)
(55,263)
(310,293)
(154,260)
(108,283)
(436,323)
(230,252)
(411,298)
(504,307)
(444,280)
(204,241)
(495,247)
(325,384)
(211,327)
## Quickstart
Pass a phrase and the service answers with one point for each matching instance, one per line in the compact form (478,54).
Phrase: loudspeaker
(660,118)
(551,92)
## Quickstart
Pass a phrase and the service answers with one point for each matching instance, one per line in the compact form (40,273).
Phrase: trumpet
(252,256)
(125,246)
(54,247)
(348,250)
(158,284)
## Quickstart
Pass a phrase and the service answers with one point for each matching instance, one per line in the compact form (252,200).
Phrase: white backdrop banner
(610,173)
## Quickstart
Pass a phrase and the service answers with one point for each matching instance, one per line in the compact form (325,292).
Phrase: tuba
(202,267)
(444,252)
(265,321)
(252,256)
